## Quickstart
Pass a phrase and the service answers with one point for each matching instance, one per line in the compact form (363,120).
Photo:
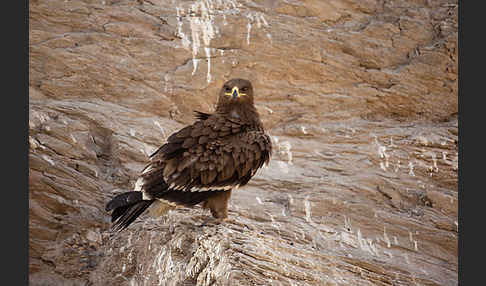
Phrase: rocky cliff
(360,98)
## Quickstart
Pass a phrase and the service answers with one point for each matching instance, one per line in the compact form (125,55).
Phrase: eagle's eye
(244,89)
(227,89)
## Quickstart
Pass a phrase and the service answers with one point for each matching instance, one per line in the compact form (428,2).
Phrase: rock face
(360,98)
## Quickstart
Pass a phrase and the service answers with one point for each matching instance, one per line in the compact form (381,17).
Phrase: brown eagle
(202,162)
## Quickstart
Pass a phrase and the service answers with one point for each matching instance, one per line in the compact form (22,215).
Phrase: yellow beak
(235,92)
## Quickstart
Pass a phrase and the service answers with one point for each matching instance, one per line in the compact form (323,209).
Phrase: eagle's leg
(218,205)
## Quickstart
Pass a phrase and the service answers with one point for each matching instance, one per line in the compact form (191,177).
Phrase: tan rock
(360,98)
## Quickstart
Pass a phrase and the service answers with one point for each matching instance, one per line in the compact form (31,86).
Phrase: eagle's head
(236,91)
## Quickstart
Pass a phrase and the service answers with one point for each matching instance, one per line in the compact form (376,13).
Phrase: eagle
(203,162)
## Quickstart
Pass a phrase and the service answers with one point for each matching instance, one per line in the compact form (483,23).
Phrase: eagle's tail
(126,208)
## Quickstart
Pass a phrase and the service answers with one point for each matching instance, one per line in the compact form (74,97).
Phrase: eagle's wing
(201,115)
(209,156)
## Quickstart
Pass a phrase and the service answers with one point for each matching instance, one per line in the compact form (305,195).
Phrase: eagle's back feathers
(222,160)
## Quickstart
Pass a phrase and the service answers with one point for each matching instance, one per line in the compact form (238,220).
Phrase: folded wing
(210,156)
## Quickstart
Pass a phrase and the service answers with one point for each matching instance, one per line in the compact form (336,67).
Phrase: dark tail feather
(129,213)
(118,212)
(125,199)
(126,208)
